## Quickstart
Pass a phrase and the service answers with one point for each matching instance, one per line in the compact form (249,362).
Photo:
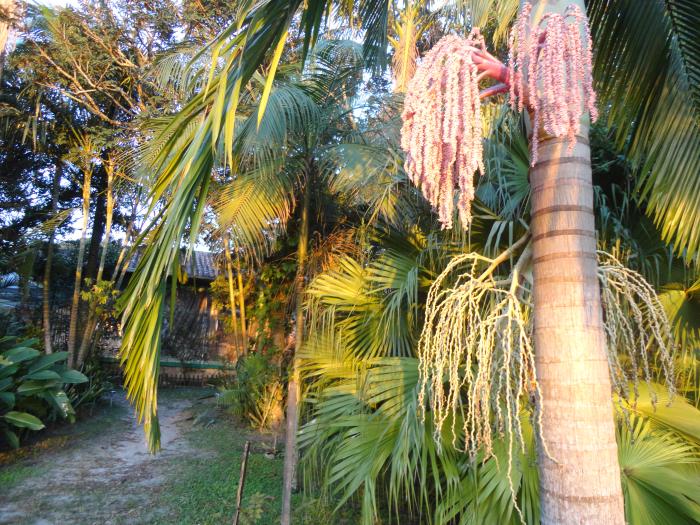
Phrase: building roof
(199,265)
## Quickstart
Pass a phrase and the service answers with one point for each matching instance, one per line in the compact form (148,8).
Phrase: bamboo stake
(241,482)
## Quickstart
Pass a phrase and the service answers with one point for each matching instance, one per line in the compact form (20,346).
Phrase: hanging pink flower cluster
(441,132)
(559,79)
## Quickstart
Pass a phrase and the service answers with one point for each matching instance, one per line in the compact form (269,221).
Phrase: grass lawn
(203,489)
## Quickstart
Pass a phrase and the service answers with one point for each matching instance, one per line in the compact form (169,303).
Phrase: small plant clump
(555,60)
(442,129)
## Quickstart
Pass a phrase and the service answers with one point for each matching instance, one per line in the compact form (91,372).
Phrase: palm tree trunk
(579,471)
(99,219)
(580,482)
(108,222)
(231,293)
(73,326)
(122,261)
(92,315)
(580,478)
(241,302)
(46,306)
(290,448)
(8,10)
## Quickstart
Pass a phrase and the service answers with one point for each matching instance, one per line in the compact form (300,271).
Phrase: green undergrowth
(202,488)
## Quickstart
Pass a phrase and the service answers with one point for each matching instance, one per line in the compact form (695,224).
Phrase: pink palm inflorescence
(442,132)
(555,57)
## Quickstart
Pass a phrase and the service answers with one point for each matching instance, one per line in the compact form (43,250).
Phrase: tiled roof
(200,265)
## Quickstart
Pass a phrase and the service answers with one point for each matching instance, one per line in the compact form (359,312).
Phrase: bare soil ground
(99,471)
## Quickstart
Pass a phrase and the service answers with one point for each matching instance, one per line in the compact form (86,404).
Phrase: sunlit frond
(647,66)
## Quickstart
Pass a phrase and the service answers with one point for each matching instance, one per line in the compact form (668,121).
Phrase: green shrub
(255,392)
(32,388)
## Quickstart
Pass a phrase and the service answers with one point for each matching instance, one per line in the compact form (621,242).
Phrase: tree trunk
(580,482)
(108,222)
(75,304)
(93,320)
(241,302)
(290,448)
(46,306)
(231,294)
(123,261)
(98,226)
(8,10)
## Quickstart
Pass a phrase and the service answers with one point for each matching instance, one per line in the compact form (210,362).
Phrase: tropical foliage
(255,393)
(32,388)
(271,129)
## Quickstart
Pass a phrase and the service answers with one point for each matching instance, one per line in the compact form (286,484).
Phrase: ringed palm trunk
(290,448)
(580,482)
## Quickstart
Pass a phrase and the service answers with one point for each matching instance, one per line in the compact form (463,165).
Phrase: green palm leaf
(659,476)
(647,69)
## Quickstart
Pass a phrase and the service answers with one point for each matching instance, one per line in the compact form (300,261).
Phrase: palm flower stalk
(442,132)
(554,58)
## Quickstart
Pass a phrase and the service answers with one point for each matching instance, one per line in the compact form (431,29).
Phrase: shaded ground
(98,471)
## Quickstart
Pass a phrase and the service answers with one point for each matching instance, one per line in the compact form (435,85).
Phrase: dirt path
(104,474)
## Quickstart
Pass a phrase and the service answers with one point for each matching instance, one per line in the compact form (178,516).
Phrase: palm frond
(408,28)
(676,415)
(646,71)
(659,476)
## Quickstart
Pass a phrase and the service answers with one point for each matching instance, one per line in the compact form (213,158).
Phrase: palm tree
(658,137)
(85,155)
(568,334)
(364,437)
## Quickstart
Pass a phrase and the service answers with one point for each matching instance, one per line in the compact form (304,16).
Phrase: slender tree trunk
(290,449)
(231,293)
(75,304)
(241,302)
(46,306)
(98,225)
(92,314)
(108,223)
(580,482)
(122,261)
(7,10)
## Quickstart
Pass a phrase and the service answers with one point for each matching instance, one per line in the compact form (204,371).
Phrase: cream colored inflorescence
(555,59)
(442,131)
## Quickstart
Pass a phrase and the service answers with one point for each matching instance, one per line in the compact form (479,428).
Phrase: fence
(179,373)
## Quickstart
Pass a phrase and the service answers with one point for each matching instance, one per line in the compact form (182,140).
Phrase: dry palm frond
(326,251)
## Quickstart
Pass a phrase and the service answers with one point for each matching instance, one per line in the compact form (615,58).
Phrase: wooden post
(241,482)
